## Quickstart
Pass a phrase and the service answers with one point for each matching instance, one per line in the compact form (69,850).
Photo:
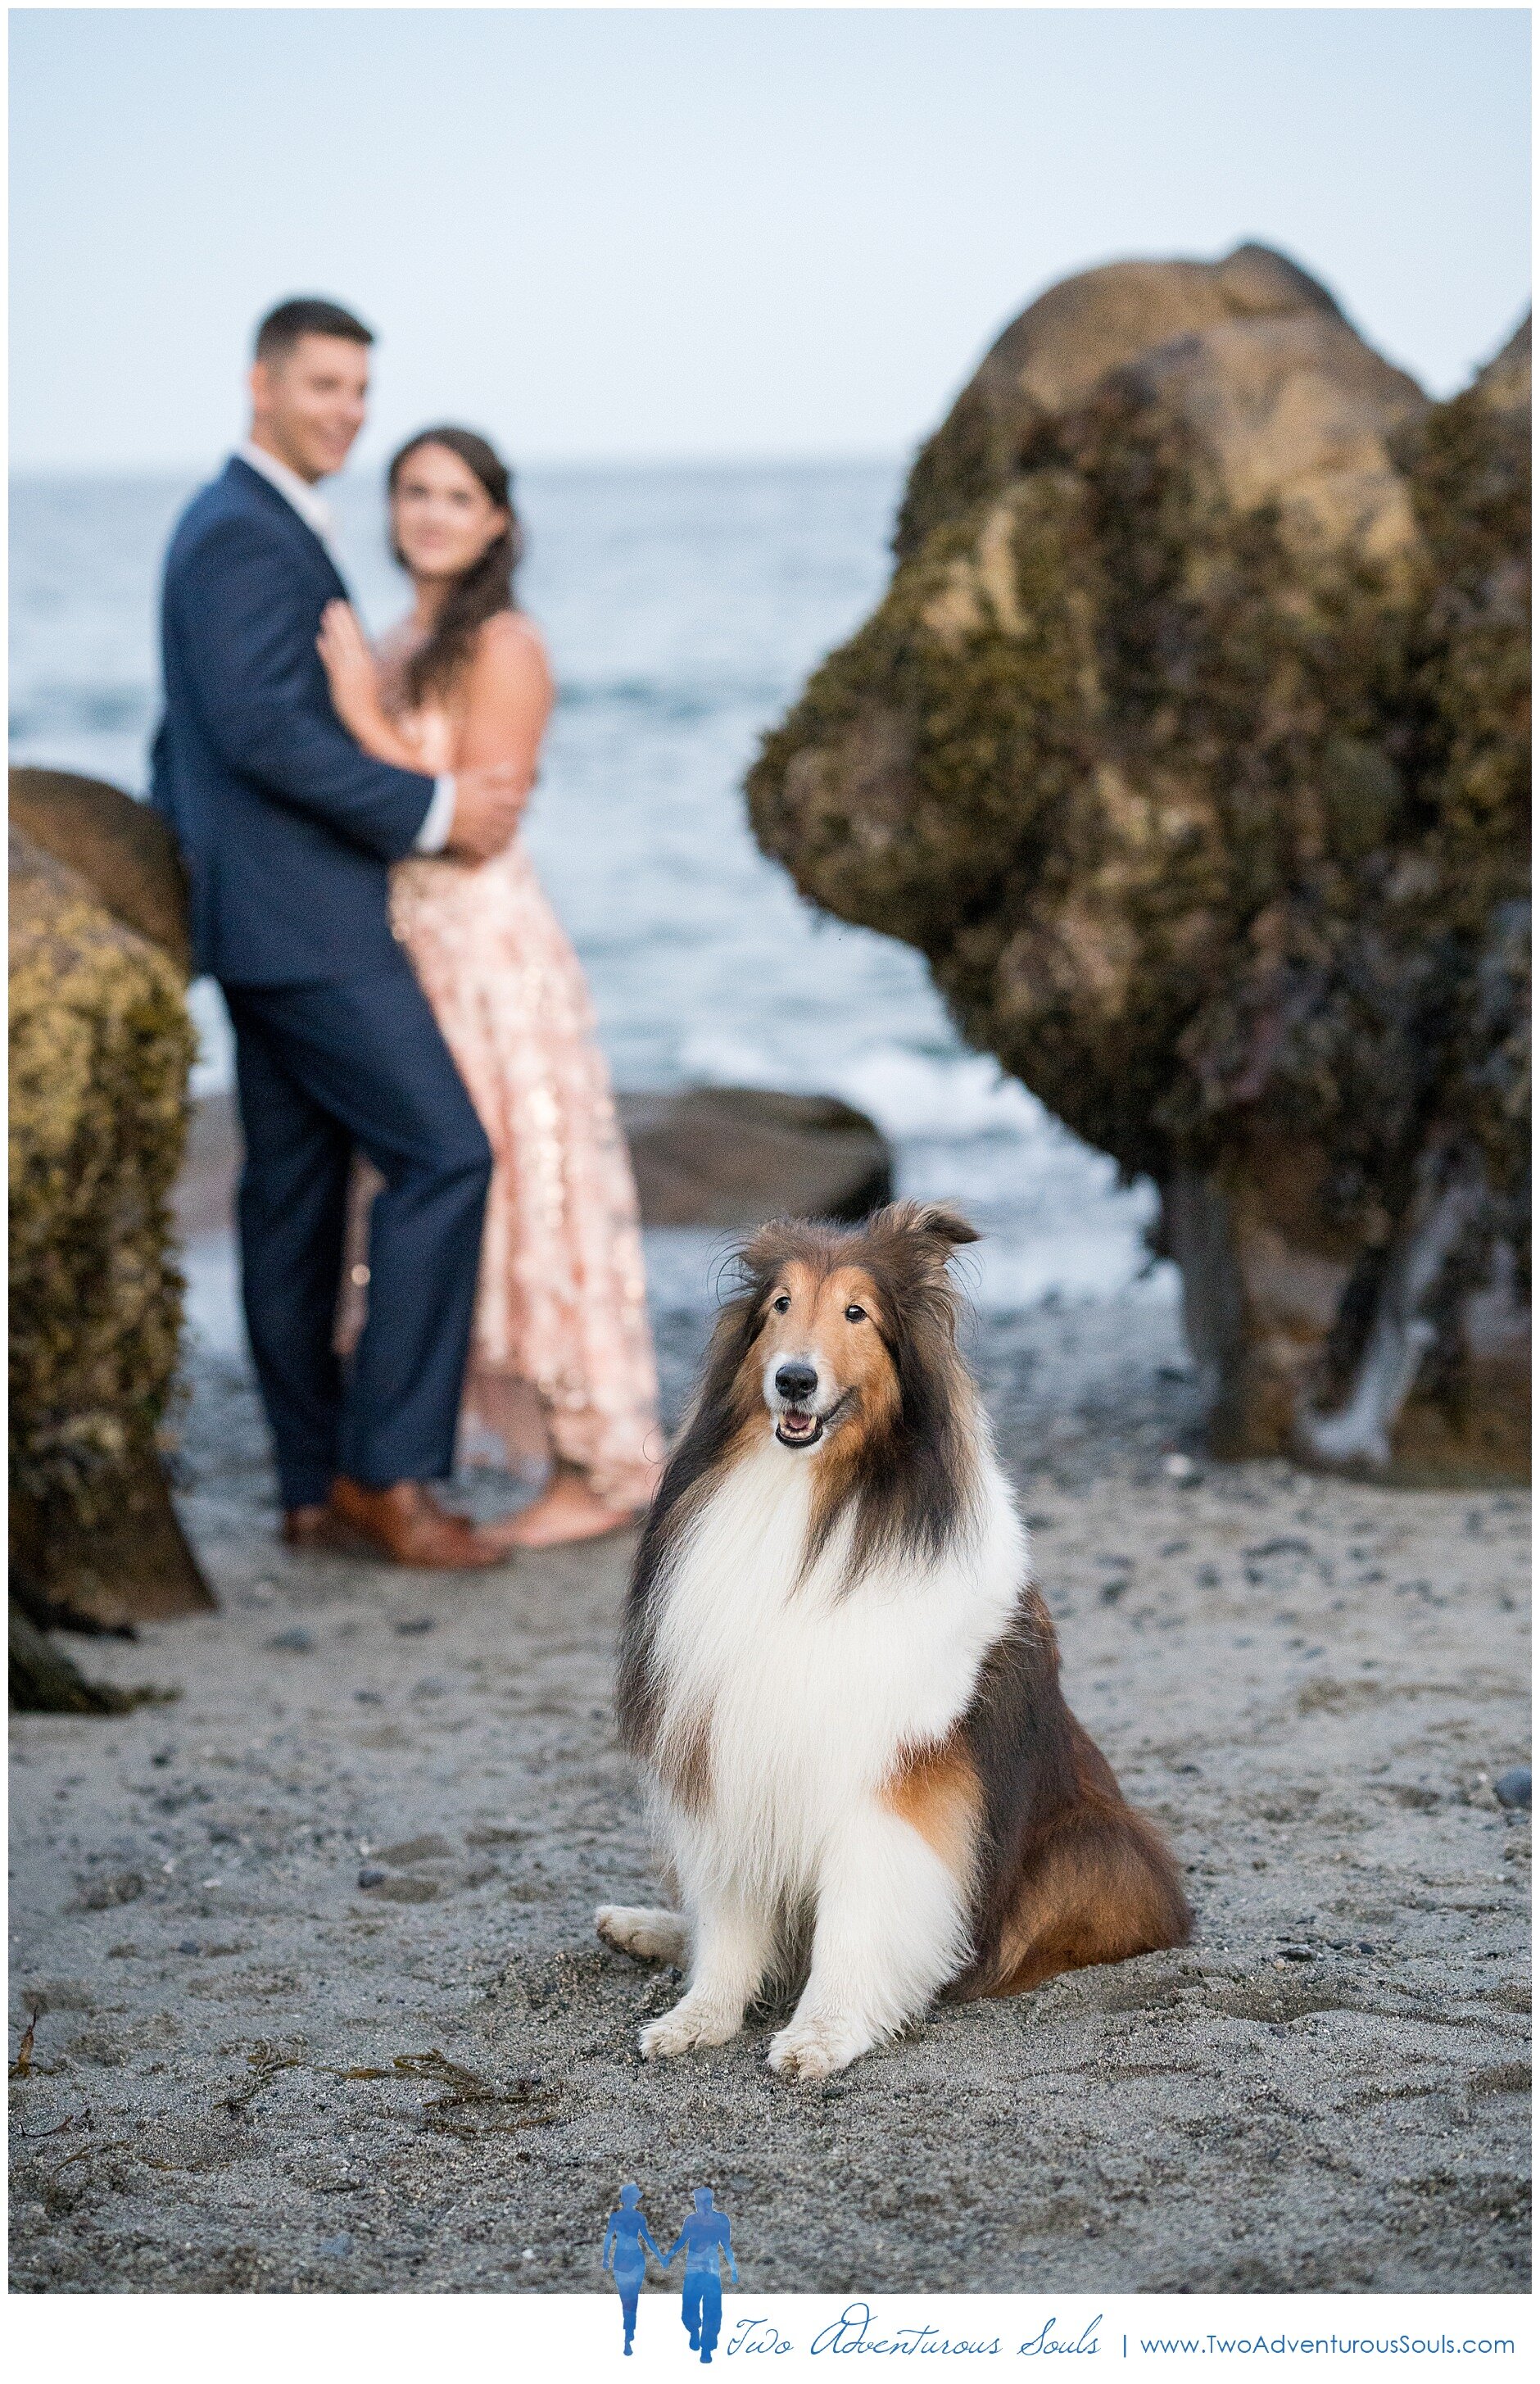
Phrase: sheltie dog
(843,1685)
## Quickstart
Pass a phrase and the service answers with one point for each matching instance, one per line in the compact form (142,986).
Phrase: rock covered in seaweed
(100,1048)
(1190,745)
(1288,399)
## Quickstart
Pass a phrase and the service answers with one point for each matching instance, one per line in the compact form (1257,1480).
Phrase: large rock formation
(1190,745)
(100,1048)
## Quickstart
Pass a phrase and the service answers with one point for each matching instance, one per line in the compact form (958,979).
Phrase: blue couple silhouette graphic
(706,2240)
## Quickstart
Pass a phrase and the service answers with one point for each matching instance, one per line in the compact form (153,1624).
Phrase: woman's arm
(504,698)
(353,677)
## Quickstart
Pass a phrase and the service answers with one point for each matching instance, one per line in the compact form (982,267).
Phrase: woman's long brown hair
(481,592)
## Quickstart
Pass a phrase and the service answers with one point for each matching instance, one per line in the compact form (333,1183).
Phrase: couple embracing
(401,992)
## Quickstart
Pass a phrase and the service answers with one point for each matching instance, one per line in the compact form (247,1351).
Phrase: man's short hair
(280,332)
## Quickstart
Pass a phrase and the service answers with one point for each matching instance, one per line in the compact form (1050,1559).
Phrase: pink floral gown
(561,1359)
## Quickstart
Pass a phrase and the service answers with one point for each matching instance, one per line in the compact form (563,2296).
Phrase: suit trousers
(321,1070)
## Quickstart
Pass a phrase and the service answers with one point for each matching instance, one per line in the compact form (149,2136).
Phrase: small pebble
(1180,1468)
(368,1698)
(1296,1954)
(335,2247)
(370,1876)
(1512,1788)
(415,1629)
(189,1945)
(293,1643)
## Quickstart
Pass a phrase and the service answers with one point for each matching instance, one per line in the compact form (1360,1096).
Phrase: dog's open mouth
(797,1428)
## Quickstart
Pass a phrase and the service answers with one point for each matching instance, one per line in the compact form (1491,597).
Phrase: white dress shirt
(315,513)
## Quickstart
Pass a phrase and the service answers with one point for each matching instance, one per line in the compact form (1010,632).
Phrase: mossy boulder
(101,1045)
(1284,386)
(1190,745)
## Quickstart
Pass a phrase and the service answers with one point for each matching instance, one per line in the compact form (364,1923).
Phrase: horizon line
(741,460)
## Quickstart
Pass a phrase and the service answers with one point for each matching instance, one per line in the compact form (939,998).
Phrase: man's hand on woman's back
(488,803)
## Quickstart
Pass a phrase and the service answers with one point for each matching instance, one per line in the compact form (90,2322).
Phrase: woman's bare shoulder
(509,645)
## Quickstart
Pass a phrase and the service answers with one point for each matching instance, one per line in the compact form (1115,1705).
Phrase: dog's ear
(928,1228)
(944,1225)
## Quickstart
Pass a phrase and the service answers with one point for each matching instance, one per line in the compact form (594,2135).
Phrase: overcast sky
(716,233)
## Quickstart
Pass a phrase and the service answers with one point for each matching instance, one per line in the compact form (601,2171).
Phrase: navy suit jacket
(287,828)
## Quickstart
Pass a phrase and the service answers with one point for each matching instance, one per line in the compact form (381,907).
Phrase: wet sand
(250,2072)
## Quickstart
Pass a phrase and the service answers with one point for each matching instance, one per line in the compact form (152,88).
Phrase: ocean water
(684,607)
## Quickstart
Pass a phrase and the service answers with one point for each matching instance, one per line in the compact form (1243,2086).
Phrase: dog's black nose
(795,1381)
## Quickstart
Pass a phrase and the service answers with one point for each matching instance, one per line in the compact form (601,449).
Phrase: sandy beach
(250,2072)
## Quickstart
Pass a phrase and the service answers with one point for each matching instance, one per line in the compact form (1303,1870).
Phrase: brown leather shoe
(406,1525)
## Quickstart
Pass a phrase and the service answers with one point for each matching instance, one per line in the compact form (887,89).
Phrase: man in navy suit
(288,831)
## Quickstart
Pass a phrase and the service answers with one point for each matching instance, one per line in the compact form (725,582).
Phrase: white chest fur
(811,1691)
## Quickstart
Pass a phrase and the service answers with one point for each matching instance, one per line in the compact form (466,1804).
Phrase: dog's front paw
(650,1933)
(817,2046)
(691,2024)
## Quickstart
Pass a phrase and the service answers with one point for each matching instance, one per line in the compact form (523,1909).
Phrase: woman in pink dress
(561,1364)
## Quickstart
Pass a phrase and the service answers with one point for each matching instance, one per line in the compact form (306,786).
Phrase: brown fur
(683,1757)
(1066,1873)
(1097,1886)
(937,1793)
(1093,1883)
